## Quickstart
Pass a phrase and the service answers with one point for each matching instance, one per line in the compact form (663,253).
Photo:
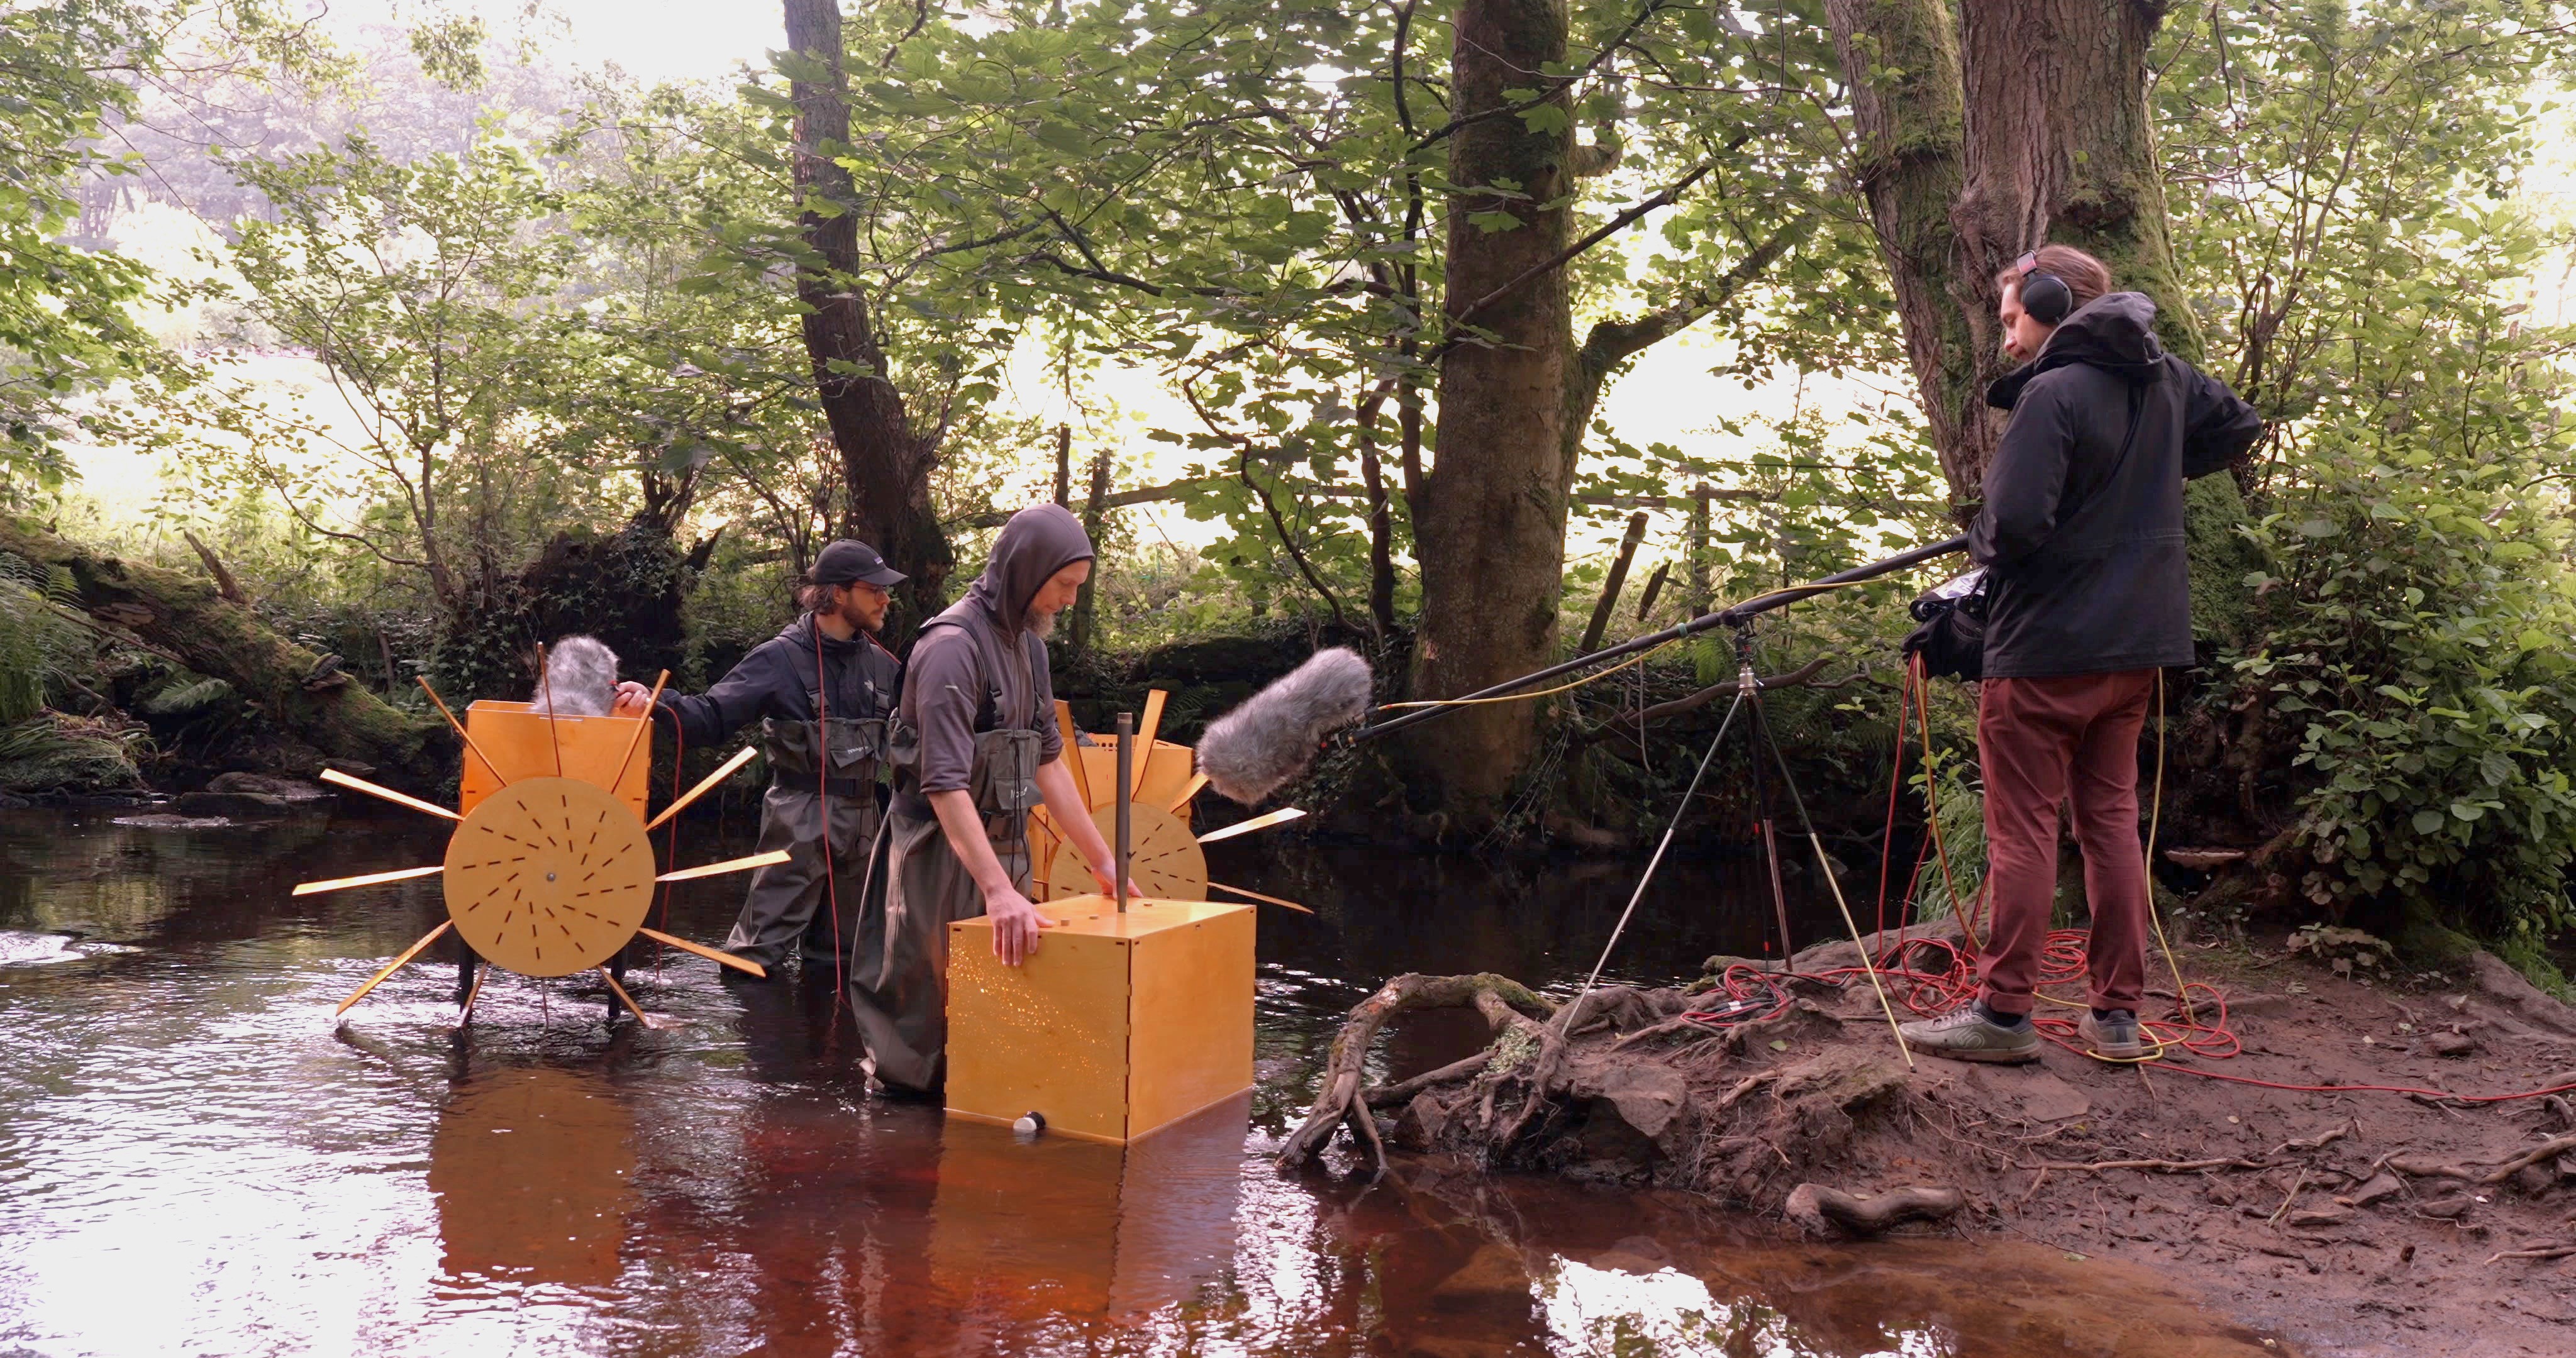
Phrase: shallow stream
(195,1158)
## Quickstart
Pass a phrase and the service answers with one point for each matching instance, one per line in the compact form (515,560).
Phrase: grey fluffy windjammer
(1252,751)
(581,679)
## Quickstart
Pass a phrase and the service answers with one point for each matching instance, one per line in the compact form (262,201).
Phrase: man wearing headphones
(2089,598)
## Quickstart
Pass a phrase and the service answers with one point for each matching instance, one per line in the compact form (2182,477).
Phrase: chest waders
(819,772)
(899,962)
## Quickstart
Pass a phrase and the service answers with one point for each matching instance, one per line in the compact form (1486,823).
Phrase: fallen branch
(2320,1141)
(1814,1207)
(2483,1175)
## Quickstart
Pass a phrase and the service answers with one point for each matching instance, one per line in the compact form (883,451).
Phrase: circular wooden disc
(1164,858)
(549,876)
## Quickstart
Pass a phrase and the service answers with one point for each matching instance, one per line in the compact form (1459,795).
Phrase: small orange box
(1119,1024)
(515,735)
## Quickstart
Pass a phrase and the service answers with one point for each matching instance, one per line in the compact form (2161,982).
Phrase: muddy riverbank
(2302,1169)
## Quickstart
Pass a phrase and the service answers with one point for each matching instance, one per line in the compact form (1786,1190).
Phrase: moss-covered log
(188,619)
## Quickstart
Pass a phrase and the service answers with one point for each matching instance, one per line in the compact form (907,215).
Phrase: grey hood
(1038,541)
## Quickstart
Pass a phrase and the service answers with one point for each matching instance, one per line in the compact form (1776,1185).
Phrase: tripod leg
(1762,805)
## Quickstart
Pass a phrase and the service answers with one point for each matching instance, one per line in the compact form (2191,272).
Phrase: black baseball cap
(850,560)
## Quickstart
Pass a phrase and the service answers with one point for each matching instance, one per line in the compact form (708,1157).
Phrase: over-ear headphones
(2044,296)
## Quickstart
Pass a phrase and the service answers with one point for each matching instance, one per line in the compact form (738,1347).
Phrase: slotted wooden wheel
(549,876)
(1164,858)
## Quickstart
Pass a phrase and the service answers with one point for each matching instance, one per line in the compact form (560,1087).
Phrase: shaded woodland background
(474,348)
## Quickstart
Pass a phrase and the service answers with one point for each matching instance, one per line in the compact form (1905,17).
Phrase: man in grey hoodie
(974,746)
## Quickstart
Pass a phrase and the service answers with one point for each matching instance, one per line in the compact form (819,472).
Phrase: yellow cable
(2155,821)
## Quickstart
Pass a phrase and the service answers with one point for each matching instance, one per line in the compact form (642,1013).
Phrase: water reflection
(194,1158)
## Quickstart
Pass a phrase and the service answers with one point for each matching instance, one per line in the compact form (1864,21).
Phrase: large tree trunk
(192,622)
(1490,527)
(885,465)
(2019,123)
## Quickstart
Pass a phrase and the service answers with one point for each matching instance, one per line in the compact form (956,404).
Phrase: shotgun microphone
(1270,740)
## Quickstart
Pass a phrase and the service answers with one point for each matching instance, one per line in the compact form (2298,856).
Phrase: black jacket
(778,679)
(2081,533)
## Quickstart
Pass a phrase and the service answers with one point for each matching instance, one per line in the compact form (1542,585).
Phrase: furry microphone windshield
(1252,751)
(581,679)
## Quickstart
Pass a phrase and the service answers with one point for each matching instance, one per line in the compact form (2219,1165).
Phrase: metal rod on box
(1126,801)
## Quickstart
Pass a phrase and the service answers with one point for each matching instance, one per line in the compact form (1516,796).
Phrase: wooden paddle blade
(398,799)
(758,860)
(1072,755)
(642,724)
(1153,720)
(631,1006)
(1197,781)
(716,955)
(465,1011)
(1261,822)
(1266,900)
(723,771)
(395,965)
(497,776)
(343,883)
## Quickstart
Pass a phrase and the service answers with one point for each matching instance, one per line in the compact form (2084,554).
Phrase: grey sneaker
(2114,1038)
(1964,1034)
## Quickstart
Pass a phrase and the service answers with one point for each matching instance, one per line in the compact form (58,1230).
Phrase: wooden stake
(1197,781)
(398,799)
(344,883)
(640,727)
(723,771)
(395,965)
(459,726)
(711,954)
(758,860)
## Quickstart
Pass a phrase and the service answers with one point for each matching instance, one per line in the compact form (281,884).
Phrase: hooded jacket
(981,652)
(2082,529)
(778,678)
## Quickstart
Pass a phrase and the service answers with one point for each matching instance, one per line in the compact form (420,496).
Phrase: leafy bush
(2416,624)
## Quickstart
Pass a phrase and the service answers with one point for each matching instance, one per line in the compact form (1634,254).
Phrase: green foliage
(37,647)
(63,324)
(52,752)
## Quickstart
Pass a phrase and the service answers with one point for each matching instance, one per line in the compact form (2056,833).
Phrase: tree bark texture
(187,619)
(1490,527)
(885,465)
(2016,124)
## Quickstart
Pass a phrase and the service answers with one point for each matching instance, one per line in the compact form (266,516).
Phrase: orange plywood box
(516,737)
(1117,1026)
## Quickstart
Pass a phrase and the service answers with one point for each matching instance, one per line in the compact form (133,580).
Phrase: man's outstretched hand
(633,699)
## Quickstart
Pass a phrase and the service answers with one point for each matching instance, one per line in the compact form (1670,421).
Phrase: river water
(196,1158)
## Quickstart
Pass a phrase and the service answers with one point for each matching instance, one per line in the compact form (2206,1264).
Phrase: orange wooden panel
(1049,1036)
(1190,1035)
(515,736)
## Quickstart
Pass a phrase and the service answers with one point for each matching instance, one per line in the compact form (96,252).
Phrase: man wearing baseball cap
(821,691)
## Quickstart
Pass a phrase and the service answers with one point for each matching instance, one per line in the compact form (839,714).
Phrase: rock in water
(581,679)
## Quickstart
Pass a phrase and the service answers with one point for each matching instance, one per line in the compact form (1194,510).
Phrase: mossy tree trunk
(2009,125)
(191,621)
(1490,525)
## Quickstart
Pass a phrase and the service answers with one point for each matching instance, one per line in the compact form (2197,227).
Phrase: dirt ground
(2354,1222)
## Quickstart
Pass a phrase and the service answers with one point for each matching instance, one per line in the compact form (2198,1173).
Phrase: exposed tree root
(1341,1100)
(2483,1175)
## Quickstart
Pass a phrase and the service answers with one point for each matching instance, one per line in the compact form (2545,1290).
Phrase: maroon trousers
(2069,739)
